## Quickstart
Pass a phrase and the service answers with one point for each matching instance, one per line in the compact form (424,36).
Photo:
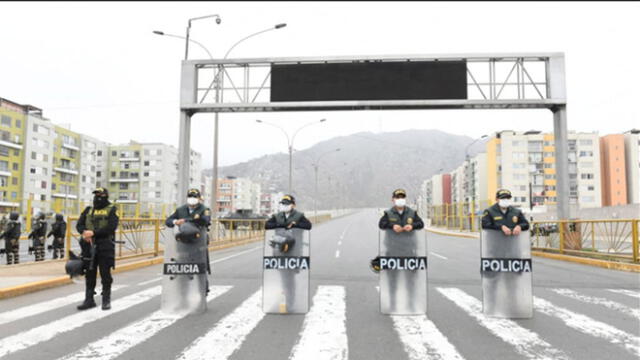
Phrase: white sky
(98,67)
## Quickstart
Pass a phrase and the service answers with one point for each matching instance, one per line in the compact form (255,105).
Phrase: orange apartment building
(612,165)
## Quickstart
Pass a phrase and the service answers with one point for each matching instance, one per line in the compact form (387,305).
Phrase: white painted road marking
(324,333)
(149,281)
(422,339)
(337,254)
(526,342)
(631,293)
(115,344)
(438,255)
(599,301)
(39,308)
(588,325)
(234,255)
(229,333)
(48,331)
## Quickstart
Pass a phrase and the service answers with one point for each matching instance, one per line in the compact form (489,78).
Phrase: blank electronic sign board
(419,80)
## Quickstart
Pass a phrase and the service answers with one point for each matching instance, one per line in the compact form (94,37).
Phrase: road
(580,312)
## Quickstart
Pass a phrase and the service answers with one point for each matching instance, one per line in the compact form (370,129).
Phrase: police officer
(288,217)
(503,216)
(59,231)
(97,225)
(11,236)
(38,235)
(194,212)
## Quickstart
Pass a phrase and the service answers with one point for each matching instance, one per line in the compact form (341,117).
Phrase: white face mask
(285,208)
(400,202)
(192,201)
(504,203)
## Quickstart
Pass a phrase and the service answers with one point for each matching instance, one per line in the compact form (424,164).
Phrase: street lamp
(186,47)
(162,33)
(290,144)
(315,165)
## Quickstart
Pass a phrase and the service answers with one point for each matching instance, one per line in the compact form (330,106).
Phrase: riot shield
(285,274)
(403,272)
(184,283)
(505,266)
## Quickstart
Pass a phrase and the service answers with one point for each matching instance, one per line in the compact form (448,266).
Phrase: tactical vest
(294,217)
(407,218)
(98,218)
(509,218)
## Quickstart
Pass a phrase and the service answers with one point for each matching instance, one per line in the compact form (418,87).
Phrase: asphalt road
(580,312)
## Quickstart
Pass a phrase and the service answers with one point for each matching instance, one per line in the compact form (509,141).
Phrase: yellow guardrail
(457,216)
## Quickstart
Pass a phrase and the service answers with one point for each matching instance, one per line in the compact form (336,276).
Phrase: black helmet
(74,266)
(188,233)
(375,264)
(283,241)
(14,216)
(59,217)
(40,215)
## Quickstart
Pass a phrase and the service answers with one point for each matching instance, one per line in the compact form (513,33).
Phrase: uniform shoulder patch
(485,213)
(514,219)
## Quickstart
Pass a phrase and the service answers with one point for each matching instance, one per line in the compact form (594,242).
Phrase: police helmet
(375,264)
(283,241)
(40,215)
(14,216)
(59,217)
(188,233)
(74,266)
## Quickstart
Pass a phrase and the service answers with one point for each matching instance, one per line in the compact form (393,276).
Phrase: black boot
(88,301)
(106,298)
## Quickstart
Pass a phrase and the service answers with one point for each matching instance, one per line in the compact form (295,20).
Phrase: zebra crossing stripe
(589,326)
(422,339)
(229,333)
(526,343)
(324,332)
(39,308)
(115,344)
(48,331)
(599,301)
(631,293)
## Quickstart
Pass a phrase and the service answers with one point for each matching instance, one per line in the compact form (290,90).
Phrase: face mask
(400,202)
(285,208)
(504,203)
(192,201)
(100,201)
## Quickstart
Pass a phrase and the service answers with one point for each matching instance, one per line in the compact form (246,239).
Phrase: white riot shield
(505,265)
(184,284)
(285,275)
(403,272)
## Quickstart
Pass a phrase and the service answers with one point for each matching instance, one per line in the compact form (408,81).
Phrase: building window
(586,176)
(14,181)
(114,153)
(43,184)
(16,166)
(43,197)
(113,174)
(157,194)
(16,152)
(6,121)
(14,195)
(124,186)
(146,163)
(99,173)
(146,174)
(4,151)
(18,123)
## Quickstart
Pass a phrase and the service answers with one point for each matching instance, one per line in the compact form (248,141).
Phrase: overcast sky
(98,67)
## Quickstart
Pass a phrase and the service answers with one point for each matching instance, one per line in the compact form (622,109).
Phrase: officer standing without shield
(38,235)
(59,231)
(503,216)
(97,225)
(11,236)
(194,212)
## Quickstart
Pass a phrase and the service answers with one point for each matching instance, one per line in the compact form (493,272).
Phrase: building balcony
(64,196)
(124,180)
(11,144)
(126,201)
(70,147)
(5,173)
(66,170)
(8,203)
(129,159)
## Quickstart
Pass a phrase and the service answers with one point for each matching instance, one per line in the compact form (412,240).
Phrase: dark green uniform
(393,217)
(279,220)
(199,215)
(59,231)
(493,218)
(11,236)
(38,236)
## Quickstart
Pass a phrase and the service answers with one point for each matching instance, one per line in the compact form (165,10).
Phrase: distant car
(544,229)
(243,220)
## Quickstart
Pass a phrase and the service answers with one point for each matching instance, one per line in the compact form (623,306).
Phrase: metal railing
(457,216)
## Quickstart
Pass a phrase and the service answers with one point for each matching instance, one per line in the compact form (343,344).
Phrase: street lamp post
(290,144)
(315,169)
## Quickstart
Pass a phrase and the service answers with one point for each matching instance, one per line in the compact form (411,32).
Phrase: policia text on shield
(505,260)
(286,261)
(186,266)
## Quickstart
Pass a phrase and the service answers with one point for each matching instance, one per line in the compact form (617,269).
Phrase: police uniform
(493,218)
(38,236)
(102,219)
(11,236)
(294,219)
(393,217)
(59,231)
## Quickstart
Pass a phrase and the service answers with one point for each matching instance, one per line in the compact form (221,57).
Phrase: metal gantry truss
(493,81)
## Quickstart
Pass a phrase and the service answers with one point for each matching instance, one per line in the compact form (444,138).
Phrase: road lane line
(229,333)
(234,255)
(631,293)
(337,254)
(422,339)
(599,301)
(38,308)
(324,333)
(525,342)
(115,344)
(48,331)
(345,231)
(149,281)
(438,255)
(589,326)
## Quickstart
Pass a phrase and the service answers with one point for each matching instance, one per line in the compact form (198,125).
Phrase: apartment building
(13,118)
(614,179)
(632,165)
(38,162)
(92,167)
(65,180)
